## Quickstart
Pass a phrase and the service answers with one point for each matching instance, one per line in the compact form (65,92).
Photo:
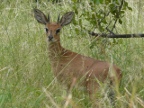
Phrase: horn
(48,18)
(58,20)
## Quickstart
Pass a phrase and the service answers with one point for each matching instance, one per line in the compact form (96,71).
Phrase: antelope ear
(40,16)
(66,18)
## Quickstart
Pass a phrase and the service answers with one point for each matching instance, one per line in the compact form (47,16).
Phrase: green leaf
(120,21)
(129,8)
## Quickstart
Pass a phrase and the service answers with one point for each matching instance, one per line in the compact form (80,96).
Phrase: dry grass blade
(51,99)
(139,100)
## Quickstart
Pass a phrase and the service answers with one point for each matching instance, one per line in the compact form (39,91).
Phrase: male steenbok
(71,68)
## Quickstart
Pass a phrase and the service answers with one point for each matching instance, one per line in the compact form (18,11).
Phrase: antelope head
(53,29)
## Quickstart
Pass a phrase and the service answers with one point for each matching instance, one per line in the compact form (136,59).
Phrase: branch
(117,35)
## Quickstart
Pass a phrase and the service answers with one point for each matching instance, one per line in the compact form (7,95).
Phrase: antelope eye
(57,31)
(46,30)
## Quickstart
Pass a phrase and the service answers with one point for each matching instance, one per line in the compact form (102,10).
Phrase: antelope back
(53,29)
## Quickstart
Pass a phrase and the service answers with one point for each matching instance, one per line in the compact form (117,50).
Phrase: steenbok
(71,68)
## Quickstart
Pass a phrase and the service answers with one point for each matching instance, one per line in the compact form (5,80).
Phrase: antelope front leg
(71,86)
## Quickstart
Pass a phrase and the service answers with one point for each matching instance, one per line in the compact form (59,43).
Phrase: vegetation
(26,79)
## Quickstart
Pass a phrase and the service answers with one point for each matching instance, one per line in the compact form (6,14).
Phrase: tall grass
(26,79)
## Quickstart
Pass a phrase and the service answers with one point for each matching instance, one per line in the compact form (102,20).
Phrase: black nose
(50,37)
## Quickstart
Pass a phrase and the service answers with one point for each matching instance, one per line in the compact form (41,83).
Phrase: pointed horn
(48,18)
(58,20)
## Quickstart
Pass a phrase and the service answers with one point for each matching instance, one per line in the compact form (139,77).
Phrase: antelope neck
(56,50)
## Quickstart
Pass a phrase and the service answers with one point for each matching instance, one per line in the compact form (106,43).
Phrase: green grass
(26,79)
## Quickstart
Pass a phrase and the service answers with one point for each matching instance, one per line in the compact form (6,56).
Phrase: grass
(26,79)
